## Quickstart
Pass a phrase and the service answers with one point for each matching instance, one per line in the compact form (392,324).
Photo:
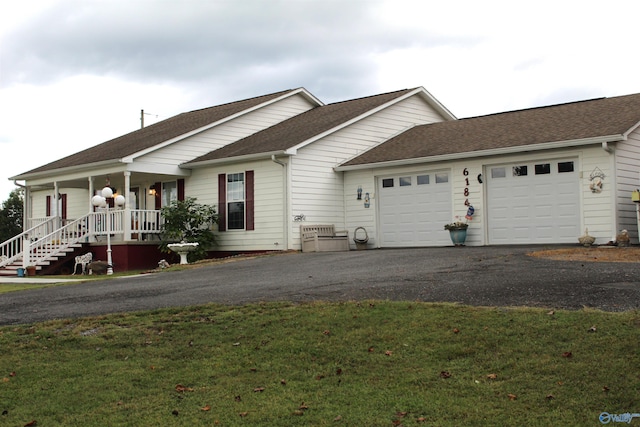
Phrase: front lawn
(359,363)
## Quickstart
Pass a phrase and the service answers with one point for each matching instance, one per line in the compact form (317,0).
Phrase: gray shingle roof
(155,134)
(302,127)
(556,123)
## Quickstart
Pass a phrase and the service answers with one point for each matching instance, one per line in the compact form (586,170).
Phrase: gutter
(233,159)
(604,140)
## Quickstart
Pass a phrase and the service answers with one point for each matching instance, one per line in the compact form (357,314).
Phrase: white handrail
(44,241)
(11,250)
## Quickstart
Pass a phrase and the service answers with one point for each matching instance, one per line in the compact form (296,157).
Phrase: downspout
(285,195)
(605,147)
(614,169)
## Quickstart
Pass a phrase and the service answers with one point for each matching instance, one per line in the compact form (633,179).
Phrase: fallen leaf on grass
(421,420)
(12,374)
(551,313)
(339,371)
(31,423)
(445,374)
(319,377)
(298,412)
(238,398)
(592,329)
(175,412)
(401,414)
(605,389)
(492,376)
(258,389)
(283,381)
(327,332)
(5,380)
(243,414)
(388,353)
(206,408)
(456,330)
(338,418)
(181,389)
(567,354)
(512,396)
(303,406)
(550,396)
(371,349)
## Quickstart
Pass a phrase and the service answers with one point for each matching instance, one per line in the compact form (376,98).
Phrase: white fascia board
(301,91)
(67,170)
(158,169)
(632,129)
(308,95)
(303,144)
(484,153)
(236,159)
(431,100)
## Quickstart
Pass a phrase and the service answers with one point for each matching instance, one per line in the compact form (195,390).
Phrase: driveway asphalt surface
(479,276)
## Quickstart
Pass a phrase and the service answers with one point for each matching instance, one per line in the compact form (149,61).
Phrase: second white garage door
(534,202)
(414,209)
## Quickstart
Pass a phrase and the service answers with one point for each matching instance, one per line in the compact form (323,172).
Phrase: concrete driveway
(483,276)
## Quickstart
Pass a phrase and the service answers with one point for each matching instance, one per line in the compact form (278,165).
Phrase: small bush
(190,222)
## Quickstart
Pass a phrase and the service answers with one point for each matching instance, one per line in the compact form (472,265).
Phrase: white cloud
(76,73)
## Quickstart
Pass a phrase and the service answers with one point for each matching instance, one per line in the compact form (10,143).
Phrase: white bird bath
(182,249)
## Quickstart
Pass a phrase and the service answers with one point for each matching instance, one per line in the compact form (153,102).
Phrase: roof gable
(146,139)
(303,128)
(577,121)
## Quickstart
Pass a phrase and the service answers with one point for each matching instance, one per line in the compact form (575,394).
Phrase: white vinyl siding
(268,205)
(228,132)
(627,154)
(317,191)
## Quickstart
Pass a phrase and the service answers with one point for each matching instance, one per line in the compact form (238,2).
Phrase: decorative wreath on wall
(596,178)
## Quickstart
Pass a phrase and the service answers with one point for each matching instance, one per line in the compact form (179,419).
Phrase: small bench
(323,238)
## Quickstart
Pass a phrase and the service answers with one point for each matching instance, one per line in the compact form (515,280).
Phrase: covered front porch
(60,217)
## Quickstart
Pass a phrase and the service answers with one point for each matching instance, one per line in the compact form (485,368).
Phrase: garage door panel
(533,208)
(414,215)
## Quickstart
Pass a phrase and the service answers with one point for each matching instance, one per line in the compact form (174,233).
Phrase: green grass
(353,364)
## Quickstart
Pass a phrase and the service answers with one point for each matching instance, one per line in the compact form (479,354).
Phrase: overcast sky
(77,73)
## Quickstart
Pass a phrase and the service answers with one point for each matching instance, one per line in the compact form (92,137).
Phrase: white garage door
(414,209)
(534,202)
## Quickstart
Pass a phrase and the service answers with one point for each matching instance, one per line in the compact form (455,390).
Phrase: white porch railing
(11,250)
(146,221)
(44,241)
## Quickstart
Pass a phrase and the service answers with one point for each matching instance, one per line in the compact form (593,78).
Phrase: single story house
(399,164)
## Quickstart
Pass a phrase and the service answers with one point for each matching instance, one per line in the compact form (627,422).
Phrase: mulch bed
(592,254)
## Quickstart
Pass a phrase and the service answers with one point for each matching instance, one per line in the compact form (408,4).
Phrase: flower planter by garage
(458,236)
(457,232)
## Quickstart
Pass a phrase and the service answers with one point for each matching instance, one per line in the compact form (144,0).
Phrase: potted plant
(457,231)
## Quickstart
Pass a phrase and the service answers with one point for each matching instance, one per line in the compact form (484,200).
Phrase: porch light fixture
(100,201)
(152,190)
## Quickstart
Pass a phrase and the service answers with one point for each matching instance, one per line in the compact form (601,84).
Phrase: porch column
(58,222)
(26,208)
(90,193)
(91,220)
(127,206)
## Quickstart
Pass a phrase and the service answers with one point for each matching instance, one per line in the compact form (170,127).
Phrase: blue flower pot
(458,237)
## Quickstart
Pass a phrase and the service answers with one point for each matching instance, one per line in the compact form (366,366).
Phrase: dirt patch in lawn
(594,254)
